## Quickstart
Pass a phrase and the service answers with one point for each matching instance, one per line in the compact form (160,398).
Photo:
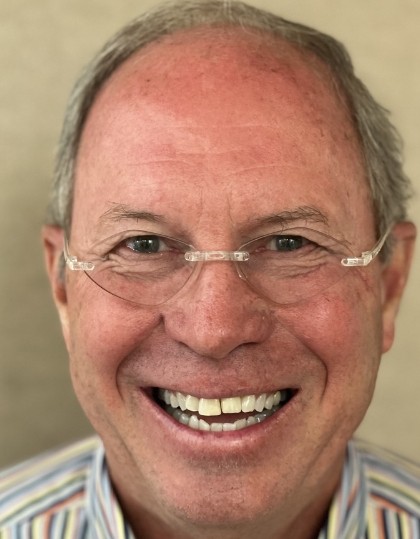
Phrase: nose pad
(217,312)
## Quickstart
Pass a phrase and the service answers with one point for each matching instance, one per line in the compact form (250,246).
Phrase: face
(214,136)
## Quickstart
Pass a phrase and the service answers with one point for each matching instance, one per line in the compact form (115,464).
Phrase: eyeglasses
(285,267)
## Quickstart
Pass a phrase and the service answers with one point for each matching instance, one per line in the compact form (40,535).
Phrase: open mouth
(226,414)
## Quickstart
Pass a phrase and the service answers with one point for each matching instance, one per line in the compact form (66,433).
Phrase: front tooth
(191,403)
(216,427)
(260,402)
(209,407)
(228,426)
(248,403)
(231,405)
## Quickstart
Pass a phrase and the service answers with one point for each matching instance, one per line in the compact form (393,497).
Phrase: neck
(306,525)
(301,516)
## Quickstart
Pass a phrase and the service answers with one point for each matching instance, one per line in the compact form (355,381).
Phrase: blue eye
(145,244)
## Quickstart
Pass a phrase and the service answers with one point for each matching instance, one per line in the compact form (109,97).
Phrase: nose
(217,312)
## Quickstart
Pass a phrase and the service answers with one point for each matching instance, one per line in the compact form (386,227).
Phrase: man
(227,247)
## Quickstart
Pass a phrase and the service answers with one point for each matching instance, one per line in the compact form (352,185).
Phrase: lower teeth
(196,423)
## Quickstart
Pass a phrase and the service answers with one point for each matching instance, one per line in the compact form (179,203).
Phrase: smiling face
(208,138)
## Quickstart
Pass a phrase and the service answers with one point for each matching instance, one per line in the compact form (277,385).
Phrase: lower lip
(192,442)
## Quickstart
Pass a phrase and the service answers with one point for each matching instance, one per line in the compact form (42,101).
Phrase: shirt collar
(347,515)
(106,519)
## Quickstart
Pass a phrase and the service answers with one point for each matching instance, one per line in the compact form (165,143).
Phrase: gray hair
(380,142)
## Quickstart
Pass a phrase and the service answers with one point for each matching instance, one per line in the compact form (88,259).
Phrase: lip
(198,444)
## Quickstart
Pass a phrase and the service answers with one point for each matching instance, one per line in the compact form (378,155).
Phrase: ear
(394,278)
(53,242)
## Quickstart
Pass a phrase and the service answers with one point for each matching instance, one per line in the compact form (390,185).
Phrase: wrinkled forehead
(193,74)
(196,96)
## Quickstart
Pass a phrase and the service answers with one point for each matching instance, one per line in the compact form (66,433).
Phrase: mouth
(224,414)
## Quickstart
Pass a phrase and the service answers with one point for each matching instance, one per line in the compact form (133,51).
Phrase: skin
(212,131)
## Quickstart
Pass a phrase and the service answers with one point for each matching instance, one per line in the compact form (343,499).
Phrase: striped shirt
(67,494)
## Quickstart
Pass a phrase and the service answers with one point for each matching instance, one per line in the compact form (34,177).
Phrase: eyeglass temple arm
(367,256)
(72,262)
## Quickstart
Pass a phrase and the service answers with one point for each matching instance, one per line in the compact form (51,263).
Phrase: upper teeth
(228,405)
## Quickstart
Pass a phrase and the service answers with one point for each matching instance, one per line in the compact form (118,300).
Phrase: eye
(146,244)
(287,243)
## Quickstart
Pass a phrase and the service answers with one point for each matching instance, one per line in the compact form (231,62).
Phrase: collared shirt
(67,494)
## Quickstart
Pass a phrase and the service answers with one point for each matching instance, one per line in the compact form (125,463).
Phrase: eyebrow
(121,212)
(302,213)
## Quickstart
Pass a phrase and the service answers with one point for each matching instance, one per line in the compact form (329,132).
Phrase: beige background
(43,44)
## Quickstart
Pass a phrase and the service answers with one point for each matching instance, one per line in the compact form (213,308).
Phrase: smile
(222,415)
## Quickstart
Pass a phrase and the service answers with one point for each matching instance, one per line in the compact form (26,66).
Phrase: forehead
(196,75)
(218,109)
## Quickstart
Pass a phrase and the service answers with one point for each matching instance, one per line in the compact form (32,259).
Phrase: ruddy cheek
(330,326)
(105,332)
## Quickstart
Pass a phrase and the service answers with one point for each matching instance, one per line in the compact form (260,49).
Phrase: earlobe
(394,278)
(53,241)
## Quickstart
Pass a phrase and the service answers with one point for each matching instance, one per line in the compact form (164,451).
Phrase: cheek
(342,329)
(103,331)
(341,334)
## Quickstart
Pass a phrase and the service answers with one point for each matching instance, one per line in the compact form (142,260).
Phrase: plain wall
(43,45)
